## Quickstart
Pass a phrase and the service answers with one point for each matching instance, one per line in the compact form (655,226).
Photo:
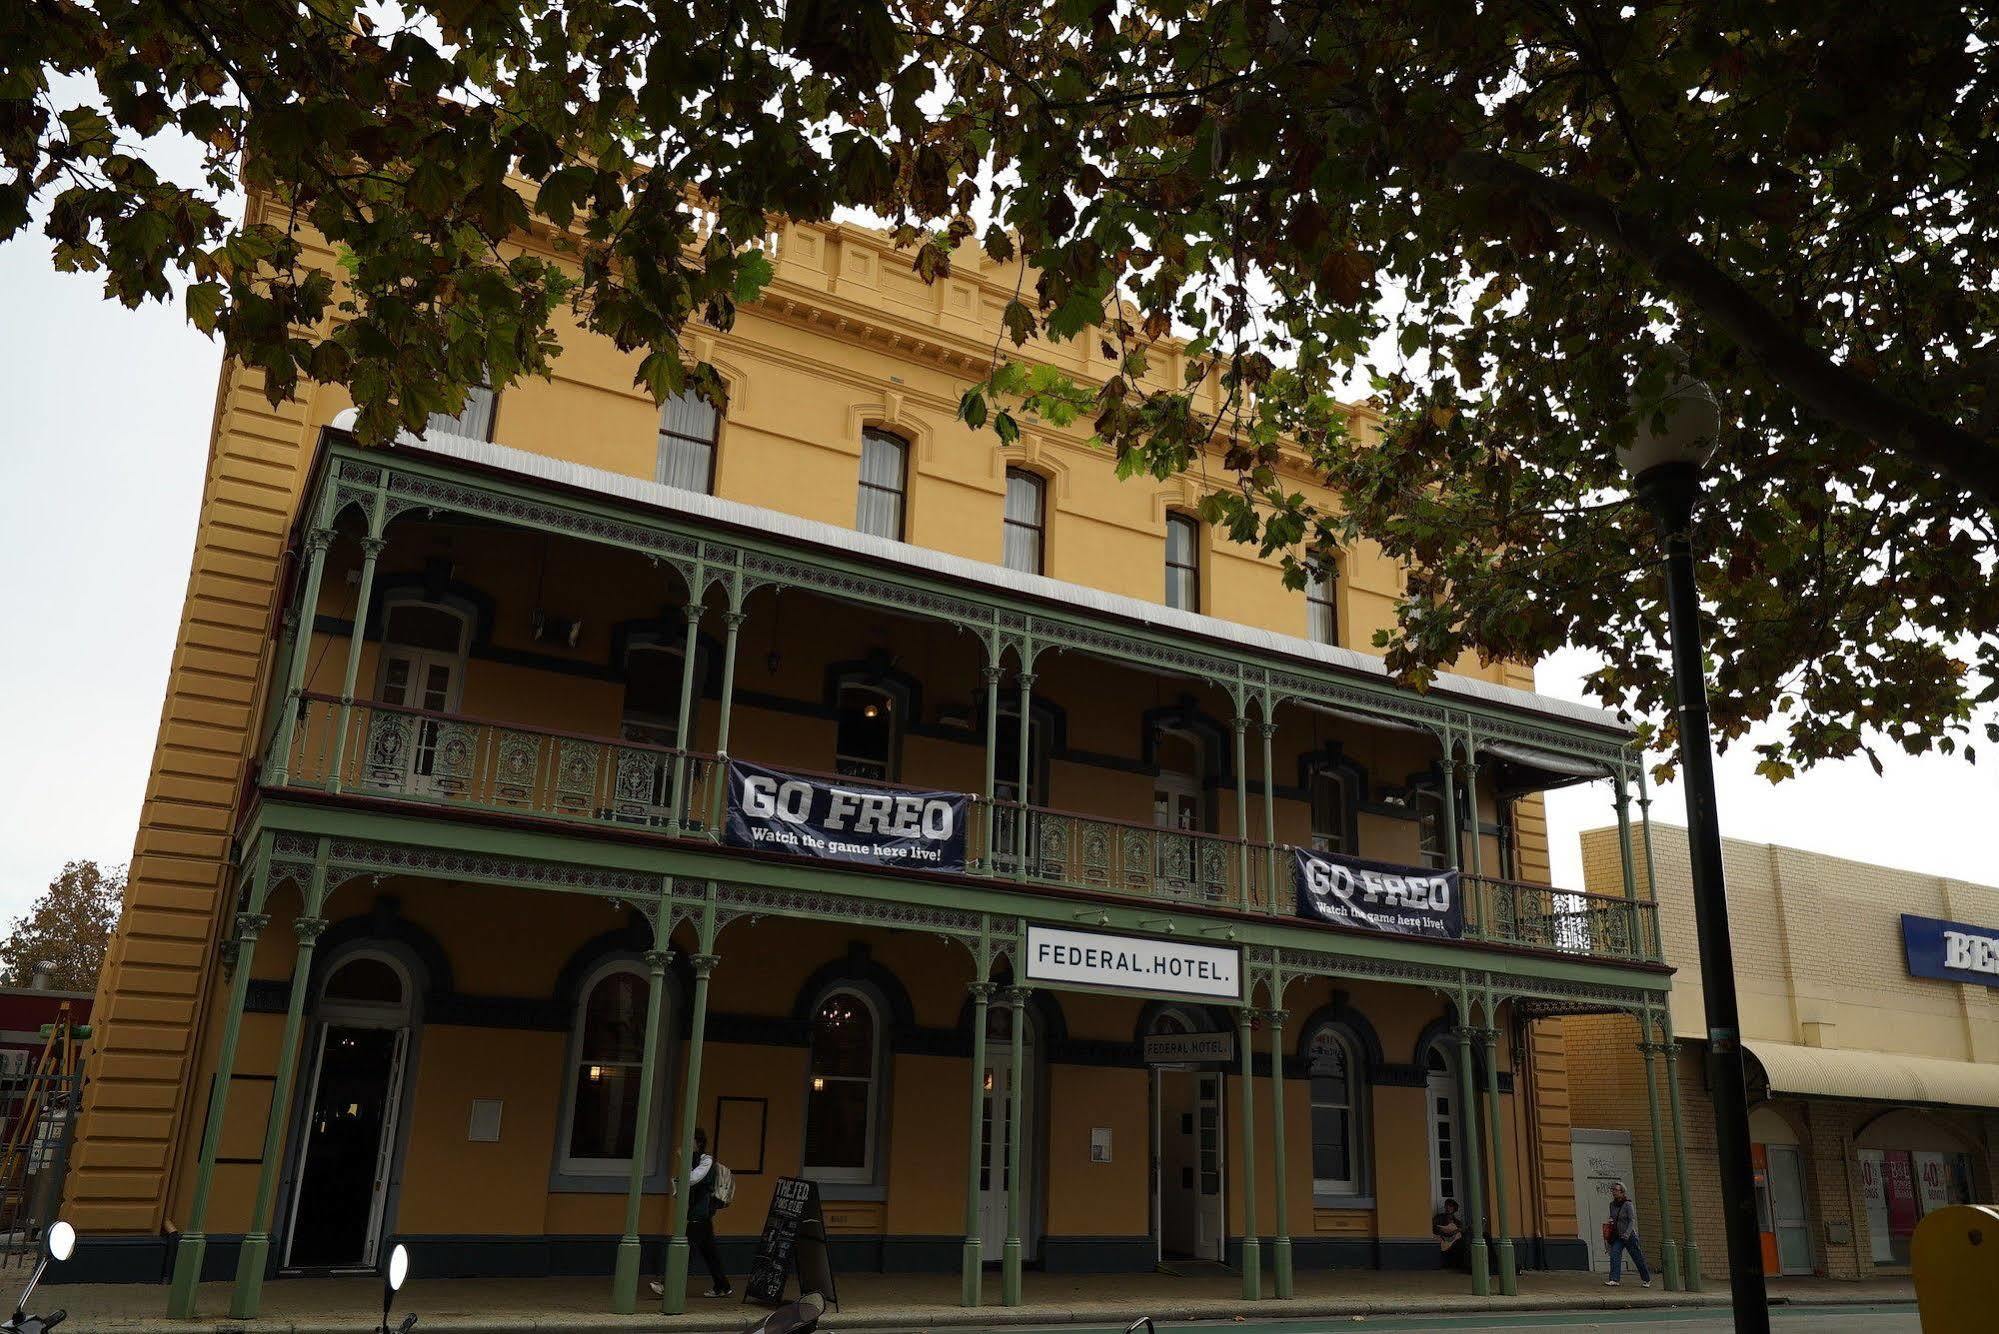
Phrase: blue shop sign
(1951,951)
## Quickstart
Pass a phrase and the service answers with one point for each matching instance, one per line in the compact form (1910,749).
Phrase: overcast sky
(102,443)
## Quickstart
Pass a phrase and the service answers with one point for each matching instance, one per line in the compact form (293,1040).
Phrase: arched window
(1332,808)
(1338,1108)
(607,1049)
(865,743)
(687,427)
(1025,529)
(1322,615)
(884,476)
(1183,562)
(843,1088)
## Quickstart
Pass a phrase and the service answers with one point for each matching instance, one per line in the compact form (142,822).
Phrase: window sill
(852,1191)
(1324,1201)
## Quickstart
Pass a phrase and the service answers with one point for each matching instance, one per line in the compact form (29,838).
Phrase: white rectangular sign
(1128,963)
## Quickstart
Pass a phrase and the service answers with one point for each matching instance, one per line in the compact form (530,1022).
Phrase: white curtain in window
(879,507)
(1182,569)
(1322,624)
(474,422)
(1022,531)
(687,443)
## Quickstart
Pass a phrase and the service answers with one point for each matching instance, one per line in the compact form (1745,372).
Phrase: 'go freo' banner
(1378,896)
(845,820)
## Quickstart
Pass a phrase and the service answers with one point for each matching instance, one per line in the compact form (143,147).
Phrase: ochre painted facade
(845,341)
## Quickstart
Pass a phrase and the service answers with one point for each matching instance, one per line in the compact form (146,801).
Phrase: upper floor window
(1023,530)
(1336,1114)
(840,1101)
(687,426)
(864,746)
(607,1050)
(1431,831)
(1331,802)
(1006,757)
(474,420)
(884,472)
(1183,562)
(1322,617)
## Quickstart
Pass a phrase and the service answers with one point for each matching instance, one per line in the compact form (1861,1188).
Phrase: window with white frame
(1337,1110)
(1322,616)
(1432,832)
(608,1048)
(1183,562)
(884,475)
(1331,803)
(843,1086)
(687,427)
(1024,531)
(474,420)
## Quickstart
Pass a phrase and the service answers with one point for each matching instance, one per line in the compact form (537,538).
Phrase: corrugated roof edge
(656,495)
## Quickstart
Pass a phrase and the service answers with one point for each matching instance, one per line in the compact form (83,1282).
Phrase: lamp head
(61,1241)
(1679,427)
(399,1267)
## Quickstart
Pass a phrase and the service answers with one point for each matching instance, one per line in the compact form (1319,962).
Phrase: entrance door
(349,1143)
(1441,1096)
(996,1125)
(1780,1207)
(1176,805)
(423,668)
(1187,1138)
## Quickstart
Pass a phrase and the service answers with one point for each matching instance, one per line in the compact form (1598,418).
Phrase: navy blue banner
(1378,896)
(844,820)
(1951,951)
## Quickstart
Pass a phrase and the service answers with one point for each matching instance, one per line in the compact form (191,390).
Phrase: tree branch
(1828,390)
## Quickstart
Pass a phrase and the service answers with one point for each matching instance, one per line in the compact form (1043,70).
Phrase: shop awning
(1528,769)
(1877,1076)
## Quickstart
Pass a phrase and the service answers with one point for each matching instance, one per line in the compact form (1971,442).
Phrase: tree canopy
(68,926)
(1488,218)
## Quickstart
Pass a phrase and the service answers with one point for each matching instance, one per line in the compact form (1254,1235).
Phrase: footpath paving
(879,1302)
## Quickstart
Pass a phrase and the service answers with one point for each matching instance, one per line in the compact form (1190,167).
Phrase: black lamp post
(1664,460)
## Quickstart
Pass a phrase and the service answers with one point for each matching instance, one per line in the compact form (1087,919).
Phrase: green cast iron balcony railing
(450,760)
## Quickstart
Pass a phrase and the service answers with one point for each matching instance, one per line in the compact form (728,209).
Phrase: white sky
(102,443)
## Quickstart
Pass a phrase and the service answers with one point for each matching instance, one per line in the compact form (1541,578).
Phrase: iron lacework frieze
(366,857)
(702,558)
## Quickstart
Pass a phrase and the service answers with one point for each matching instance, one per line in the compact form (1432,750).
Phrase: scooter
(57,1245)
(392,1283)
(799,1317)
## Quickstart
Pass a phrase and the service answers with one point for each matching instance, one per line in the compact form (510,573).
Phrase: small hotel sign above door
(1189,1048)
(1127,963)
(1951,951)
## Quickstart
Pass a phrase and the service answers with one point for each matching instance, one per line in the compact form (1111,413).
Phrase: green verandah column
(677,811)
(1252,1260)
(1502,1226)
(254,1258)
(1026,681)
(1242,807)
(625,1276)
(674,1300)
(1468,1140)
(193,1244)
(972,1266)
(371,550)
(1671,1252)
(1280,1247)
(1016,1000)
(1690,1251)
(316,543)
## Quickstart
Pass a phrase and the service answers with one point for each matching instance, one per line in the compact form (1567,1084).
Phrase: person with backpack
(711,1186)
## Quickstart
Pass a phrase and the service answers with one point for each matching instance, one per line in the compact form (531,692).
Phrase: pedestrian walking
(1620,1237)
(701,1204)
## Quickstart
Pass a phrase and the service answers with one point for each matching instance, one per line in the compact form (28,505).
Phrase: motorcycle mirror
(1144,1322)
(61,1241)
(399,1265)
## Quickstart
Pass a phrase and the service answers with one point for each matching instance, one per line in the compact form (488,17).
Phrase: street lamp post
(1665,459)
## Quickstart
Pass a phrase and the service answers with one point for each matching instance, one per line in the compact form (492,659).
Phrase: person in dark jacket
(1453,1249)
(1624,1238)
(701,1219)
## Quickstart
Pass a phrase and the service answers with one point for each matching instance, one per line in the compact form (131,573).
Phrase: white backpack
(723,1189)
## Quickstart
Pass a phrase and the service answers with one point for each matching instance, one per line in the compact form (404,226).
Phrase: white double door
(996,1129)
(1187,1159)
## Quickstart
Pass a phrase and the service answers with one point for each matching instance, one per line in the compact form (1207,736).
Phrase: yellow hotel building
(439,928)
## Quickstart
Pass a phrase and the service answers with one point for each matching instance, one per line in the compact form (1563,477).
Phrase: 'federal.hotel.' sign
(1951,951)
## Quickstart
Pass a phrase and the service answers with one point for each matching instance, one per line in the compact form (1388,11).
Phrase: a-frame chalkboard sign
(793,1241)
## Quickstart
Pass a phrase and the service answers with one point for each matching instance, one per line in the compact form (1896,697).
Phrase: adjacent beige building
(1870,1011)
